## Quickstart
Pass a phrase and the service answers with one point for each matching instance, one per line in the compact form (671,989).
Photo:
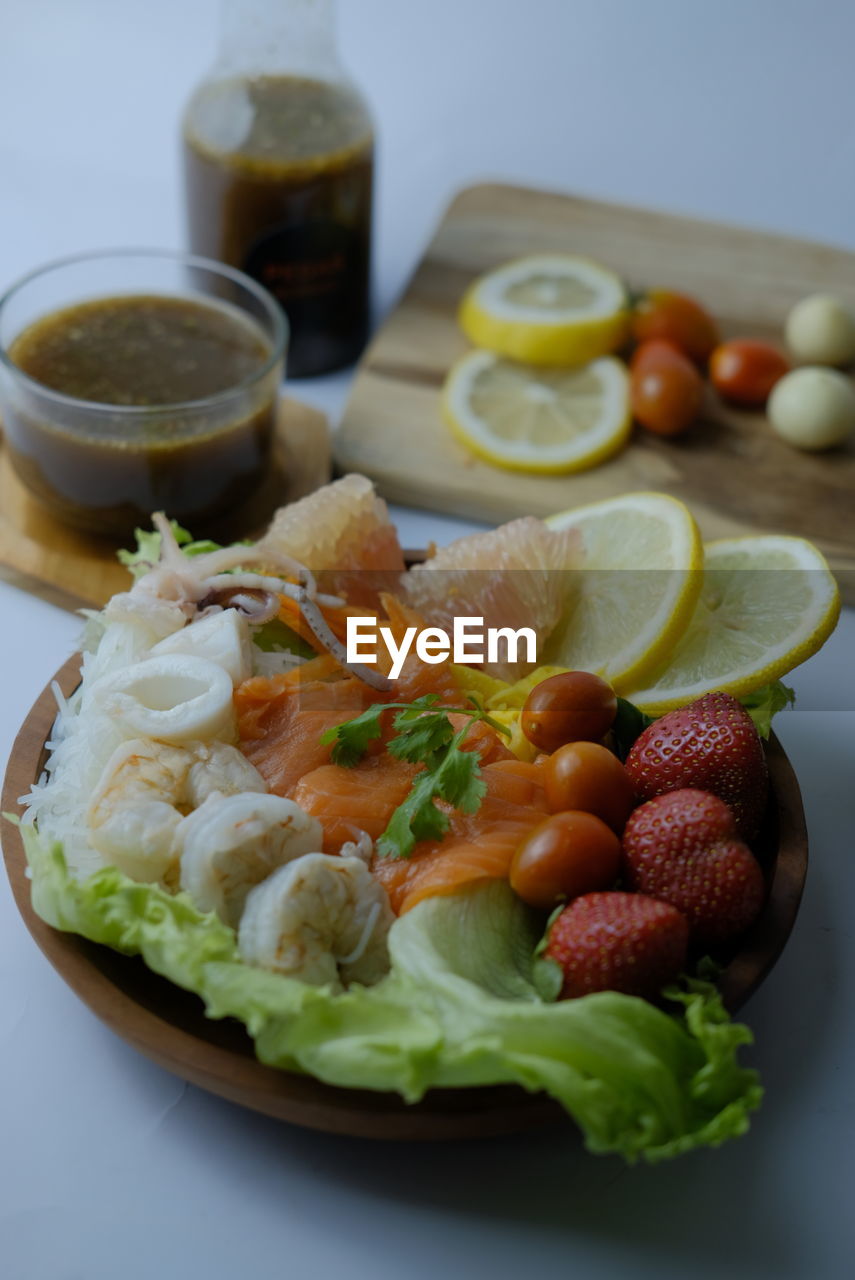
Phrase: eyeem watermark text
(469,642)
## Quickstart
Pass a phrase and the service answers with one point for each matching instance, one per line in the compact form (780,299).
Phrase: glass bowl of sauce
(140,381)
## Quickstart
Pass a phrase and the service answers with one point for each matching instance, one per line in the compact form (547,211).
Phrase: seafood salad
(396,883)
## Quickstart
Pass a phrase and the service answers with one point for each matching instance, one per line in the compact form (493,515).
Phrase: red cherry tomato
(567,855)
(666,390)
(745,370)
(678,319)
(569,707)
(587,776)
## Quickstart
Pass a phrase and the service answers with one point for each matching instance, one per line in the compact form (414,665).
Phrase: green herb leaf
(628,724)
(547,978)
(458,779)
(766,702)
(424,735)
(417,818)
(421,736)
(351,738)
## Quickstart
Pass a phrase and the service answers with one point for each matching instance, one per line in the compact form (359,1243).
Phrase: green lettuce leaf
(276,637)
(459,1008)
(766,702)
(147,551)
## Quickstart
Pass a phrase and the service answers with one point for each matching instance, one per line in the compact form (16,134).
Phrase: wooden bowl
(169,1026)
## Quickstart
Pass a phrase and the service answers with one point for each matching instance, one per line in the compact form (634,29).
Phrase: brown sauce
(108,471)
(279,174)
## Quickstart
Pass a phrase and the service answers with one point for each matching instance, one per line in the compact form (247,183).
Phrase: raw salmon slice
(478,846)
(281,718)
(347,801)
(363,798)
(281,721)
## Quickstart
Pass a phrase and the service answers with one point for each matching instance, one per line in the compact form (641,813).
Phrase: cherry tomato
(745,370)
(666,390)
(586,776)
(569,707)
(566,855)
(678,319)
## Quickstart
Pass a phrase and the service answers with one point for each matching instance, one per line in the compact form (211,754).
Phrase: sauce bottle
(278,158)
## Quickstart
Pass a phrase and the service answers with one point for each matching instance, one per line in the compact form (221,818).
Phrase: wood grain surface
(735,474)
(168,1025)
(71,569)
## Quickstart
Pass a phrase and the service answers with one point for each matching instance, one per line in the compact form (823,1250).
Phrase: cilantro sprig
(423,734)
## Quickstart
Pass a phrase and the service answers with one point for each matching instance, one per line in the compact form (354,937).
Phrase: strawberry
(711,744)
(617,942)
(683,848)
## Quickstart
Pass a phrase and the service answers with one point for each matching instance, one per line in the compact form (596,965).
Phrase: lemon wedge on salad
(530,419)
(547,309)
(636,593)
(767,604)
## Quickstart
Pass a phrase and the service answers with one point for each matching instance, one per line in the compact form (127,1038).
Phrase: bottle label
(309,262)
(318,272)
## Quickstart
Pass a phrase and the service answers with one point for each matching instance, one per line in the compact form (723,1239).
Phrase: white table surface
(109,1167)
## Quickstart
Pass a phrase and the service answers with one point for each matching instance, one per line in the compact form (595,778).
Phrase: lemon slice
(637,590)
(548,309)
(530,419)
(767,603)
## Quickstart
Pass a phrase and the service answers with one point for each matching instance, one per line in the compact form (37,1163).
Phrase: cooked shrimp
(322,919)
(145,790)
(231,843)
(218,766)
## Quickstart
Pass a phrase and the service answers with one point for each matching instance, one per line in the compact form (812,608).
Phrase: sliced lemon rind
(653,642)
(536,335)
(818,619)
(607,291)
(580,452)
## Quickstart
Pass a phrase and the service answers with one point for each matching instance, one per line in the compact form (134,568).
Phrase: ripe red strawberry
(683,848)
(617,942)
(711,744)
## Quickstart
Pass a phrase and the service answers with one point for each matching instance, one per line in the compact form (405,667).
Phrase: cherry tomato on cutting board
(587,776)
(566,855)
(569,707)
(666,391)
(676,318)
(745,370)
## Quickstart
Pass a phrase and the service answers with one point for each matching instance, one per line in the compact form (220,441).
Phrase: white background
(741,110)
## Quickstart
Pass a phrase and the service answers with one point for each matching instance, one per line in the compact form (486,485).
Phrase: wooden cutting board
(734,473)
(72,569)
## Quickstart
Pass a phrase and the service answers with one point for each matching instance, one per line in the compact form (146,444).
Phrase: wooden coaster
(71,569)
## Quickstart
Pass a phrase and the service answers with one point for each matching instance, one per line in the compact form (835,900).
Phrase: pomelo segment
(343,533)
(514,576)
(344,525)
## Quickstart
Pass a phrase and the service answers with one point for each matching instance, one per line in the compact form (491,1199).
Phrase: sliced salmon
(281,721)
(348,801)
(477,846)
(363,798)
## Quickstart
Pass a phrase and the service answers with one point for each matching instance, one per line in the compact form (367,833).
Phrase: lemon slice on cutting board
(637,590)
(547,309)
(767,604)
(530,419)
